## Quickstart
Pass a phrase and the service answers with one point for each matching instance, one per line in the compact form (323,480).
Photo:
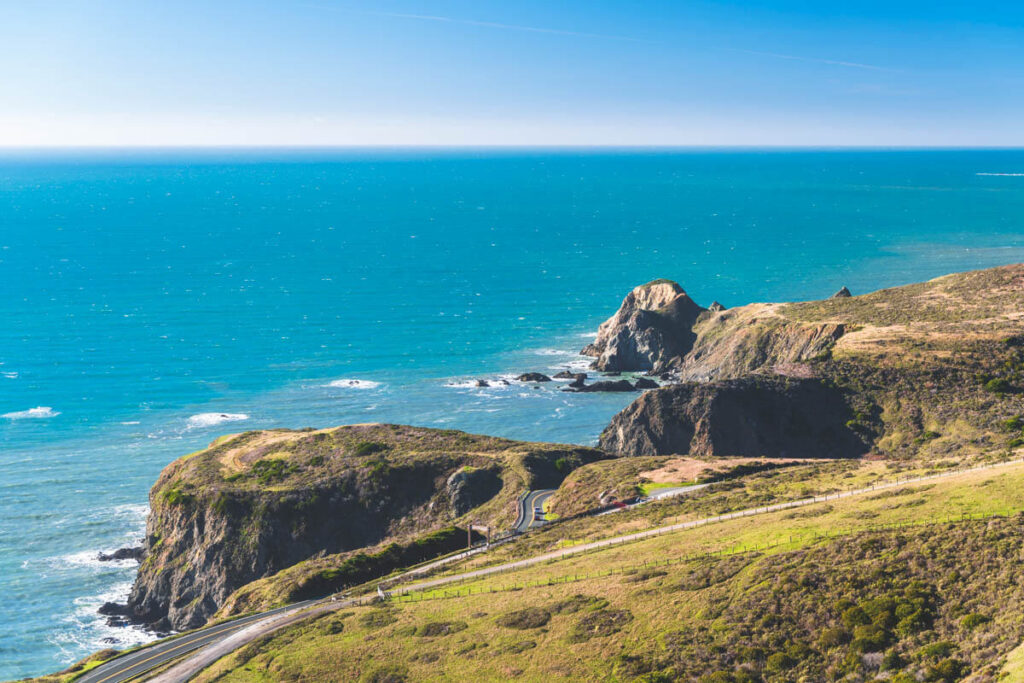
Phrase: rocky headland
(927,369)
(256,503)
(268,517)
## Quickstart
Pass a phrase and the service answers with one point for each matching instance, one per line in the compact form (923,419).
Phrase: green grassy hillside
(898,584)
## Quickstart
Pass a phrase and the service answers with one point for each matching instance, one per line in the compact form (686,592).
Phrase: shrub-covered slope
(256,503)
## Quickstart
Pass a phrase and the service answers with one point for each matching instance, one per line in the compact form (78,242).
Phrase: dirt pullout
(679,470)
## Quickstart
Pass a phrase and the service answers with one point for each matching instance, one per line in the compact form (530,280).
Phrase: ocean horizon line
(510,147)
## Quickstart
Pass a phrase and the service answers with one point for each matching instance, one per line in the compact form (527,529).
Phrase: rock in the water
(533,377)
(644,383)
(843,293)
(715,307)
(618,385)
(483,383)
(122,554)
(112,609)
(567,374)
(759,416)
(653,326)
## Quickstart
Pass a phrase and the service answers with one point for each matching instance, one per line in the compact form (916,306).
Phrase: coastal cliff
(927,369)
(775,417)
(651,329)
(259,502)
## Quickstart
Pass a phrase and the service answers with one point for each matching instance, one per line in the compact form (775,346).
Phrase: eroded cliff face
(256,503)
(651,329)
(929,369)
(738,342)
(760,416)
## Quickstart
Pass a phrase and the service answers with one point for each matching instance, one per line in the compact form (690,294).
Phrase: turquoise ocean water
(150,301)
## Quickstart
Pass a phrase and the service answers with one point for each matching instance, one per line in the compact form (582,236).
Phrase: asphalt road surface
(131,665)
(533,501)
(217,641)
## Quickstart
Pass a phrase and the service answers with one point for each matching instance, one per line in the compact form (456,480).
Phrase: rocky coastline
(918,371)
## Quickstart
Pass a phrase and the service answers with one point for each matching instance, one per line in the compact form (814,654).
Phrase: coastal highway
(531,502)
(207,645)
(130,665)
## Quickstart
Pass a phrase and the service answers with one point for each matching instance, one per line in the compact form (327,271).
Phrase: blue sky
(518,72)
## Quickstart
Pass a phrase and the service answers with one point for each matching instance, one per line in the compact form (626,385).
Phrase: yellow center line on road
(164,652)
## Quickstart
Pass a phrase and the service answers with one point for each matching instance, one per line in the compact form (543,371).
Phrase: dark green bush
(943,648)
(271,470)
(531,617)
(998,386)
(440,628)
(368,448)
(974,620)
(779,662)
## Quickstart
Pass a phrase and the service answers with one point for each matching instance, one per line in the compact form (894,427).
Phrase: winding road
(135,663)
(528,506)
(209,644)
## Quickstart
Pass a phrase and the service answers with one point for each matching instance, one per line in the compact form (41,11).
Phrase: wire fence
(792,543)
(595,546)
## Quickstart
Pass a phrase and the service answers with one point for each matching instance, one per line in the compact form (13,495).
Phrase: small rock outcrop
(653,325)
(645,383)
(136,554)
(471,487)
(568,374)
(758,416)
(606,385)
(715,307)
(533,377)
(843,293)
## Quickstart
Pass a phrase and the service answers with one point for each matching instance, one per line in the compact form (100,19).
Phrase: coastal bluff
(256,503)
(929,369)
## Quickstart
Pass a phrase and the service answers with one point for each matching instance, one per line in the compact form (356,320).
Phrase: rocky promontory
(929,369)
(651,329)
(253,504)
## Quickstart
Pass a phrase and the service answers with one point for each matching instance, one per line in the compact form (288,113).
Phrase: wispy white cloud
(816,60)
(482,24)
(582,34)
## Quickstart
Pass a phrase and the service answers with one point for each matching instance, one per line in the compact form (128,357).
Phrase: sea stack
(652,326)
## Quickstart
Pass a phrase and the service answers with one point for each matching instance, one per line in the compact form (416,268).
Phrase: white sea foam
(10,375)
(85,630)
(210,419)
(1010,175)
(37,413)
(89,559)
(353,384)
(500,382)
(578,364)
(554,352)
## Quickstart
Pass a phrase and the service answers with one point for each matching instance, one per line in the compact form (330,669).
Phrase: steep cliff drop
(759,416)
(256,503)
